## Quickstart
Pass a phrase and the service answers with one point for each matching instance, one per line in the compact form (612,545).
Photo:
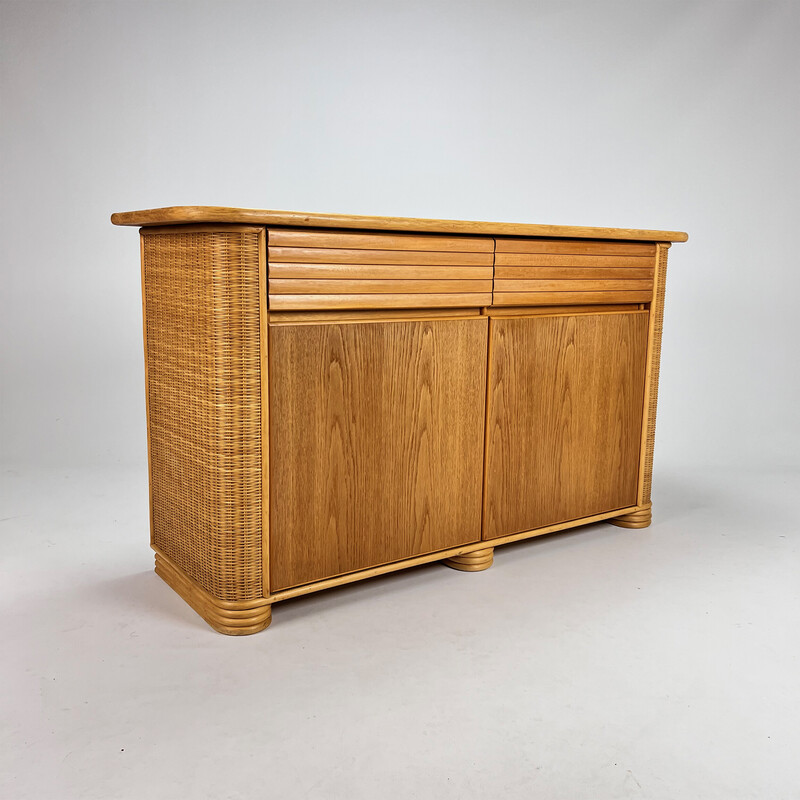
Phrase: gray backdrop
(676,115)
(656,664)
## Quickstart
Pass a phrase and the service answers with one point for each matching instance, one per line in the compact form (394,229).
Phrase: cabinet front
(376,443)
(564,420)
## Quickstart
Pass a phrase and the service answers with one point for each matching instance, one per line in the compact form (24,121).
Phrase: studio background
(668,115)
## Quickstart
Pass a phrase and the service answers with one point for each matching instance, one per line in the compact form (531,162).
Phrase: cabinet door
(376,443)
(565,411)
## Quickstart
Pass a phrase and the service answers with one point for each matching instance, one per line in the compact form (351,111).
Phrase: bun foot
(636,519)
(475,561)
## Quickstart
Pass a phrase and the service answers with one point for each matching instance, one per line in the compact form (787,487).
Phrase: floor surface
(600,663)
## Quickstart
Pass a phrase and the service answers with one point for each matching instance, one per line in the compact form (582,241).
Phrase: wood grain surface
(560,285)
(285,237)
(564,418)
(548,260)
(568,298)
(341,255)
(549,311)
(298,302)
(180,215)
(391,271)
(381,286)
(376,443)
(541,272)
(318,269)
(571,273)
(575,247)
(351,315)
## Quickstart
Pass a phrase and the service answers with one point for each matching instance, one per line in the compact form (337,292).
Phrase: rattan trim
(251,616)
(232,618)
(640,518)
(263,321)
(653,369)
(439,555)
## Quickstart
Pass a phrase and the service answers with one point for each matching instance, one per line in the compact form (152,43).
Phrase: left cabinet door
(376,443)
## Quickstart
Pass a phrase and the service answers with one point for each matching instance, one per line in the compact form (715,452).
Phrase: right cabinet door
(565,407)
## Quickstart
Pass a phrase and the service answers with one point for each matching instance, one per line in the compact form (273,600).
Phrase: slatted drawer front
(564,272)
(322,269)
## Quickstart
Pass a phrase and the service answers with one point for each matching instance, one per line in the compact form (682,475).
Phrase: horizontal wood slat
(298,302)
(570,310)
(358,315)
(547,260)
(565,272)
(571,286)
(389,271)
(324,255)
(572,273)
(297,286)
(379,241)
(313,269)
(330,270)
(575,247)
(569,298)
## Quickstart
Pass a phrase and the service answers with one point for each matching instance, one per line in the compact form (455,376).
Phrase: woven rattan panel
(657,310)
(202,338)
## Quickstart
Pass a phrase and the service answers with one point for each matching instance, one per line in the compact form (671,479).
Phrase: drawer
(330,269)
(567,272)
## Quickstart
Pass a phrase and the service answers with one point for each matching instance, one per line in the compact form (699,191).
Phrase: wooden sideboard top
(180,215)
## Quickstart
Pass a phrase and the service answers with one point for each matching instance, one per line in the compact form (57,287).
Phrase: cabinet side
(202,290)
(651,376)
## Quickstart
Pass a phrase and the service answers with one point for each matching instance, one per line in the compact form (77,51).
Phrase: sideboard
(334,397)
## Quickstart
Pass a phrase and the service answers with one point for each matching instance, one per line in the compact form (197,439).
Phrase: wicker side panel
(657,324)
(203,355)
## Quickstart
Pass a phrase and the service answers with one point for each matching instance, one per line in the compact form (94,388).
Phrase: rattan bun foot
(636,519)
(475,561)
(234,618)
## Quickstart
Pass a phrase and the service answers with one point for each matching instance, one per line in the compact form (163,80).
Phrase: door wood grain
(376,443)
(566,396)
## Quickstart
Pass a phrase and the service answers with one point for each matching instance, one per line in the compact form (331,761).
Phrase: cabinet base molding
(640,518)
(232,617)
(476,561)
(242,617)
